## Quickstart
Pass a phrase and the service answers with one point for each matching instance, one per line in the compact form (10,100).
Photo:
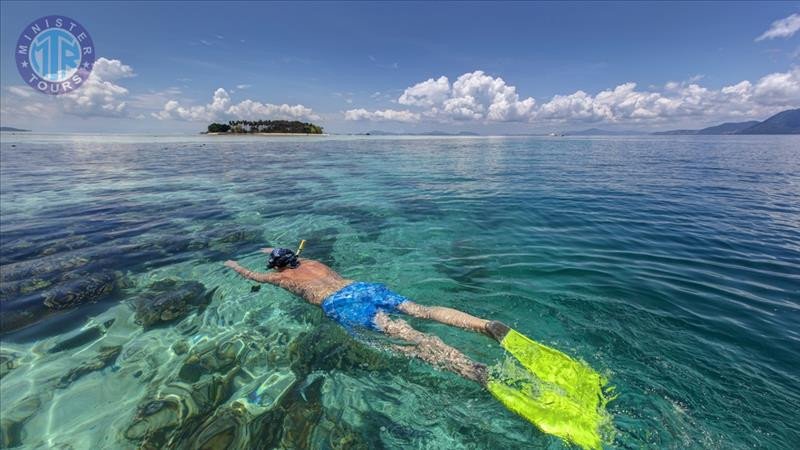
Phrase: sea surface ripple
(671,264)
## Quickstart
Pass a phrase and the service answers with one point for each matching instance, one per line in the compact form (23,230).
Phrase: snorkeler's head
(282,257)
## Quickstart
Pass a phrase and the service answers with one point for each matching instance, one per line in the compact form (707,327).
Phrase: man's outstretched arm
(271,278)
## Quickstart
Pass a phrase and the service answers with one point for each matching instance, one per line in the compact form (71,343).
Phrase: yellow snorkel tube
(559,395)
(300,247)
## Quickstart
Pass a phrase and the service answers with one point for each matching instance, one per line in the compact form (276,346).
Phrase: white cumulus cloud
(782,28)
(21,91)
(625,103)
(478,97)
(222,108)
(472,96)
(96,98)
(427,93)
(99,96)
(778,88)
(111,69)
(382,115)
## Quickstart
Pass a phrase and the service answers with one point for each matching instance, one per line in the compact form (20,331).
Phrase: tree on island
(219,128)
(265,126)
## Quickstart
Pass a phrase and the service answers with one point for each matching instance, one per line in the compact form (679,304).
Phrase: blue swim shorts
(356,305)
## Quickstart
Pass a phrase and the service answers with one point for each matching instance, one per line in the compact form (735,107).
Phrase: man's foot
(497,330)
(480,374)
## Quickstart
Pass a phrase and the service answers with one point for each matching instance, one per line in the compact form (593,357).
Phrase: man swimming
(357,305)
(560,395)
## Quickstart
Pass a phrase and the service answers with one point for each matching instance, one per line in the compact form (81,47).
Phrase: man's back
(312,280)
(360,305)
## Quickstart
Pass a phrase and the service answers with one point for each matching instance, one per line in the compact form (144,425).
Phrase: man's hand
(255,276)
(267,250)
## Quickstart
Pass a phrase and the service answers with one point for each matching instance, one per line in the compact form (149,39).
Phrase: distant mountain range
(12,129)
(599,132)
(786,122)
(725,128)
(424,133)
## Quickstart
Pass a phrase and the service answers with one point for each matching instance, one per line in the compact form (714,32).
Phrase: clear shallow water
(671,264)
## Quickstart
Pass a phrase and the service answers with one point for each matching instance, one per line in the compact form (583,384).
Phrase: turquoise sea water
(669,264)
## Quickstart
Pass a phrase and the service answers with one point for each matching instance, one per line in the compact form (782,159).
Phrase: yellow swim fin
(559,395)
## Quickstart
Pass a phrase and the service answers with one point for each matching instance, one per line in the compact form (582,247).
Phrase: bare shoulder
(313,264)
(320,271)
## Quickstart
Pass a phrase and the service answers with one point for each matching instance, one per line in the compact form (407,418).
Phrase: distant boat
(556,134)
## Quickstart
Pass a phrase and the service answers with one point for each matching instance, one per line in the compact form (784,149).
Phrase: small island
(264,127)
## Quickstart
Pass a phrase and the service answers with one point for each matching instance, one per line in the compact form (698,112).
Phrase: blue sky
(508,67)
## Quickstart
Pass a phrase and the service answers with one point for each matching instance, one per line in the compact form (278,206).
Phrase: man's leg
(448,316)
(431,349)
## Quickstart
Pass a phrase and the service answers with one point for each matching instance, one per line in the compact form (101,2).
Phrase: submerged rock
(219,398)
(85,288)
(65,244)
(154,418)
(83,337)
(258,420)
(68,291)
(14,319)
(222,398)
(173,243)
(266,393)
(227,428)
(14,419)
(161,421)
(11,289)
(105,357)
(168,300)
(41,266)
(8,362)
(180,347)
(231,236)
(342,437)
(303,414)
(15,250)
(329,347)
(213,356)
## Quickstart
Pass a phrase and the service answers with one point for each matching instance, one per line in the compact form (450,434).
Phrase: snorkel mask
(283,257)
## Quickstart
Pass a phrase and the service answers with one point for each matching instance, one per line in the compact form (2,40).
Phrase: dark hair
(282,257)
